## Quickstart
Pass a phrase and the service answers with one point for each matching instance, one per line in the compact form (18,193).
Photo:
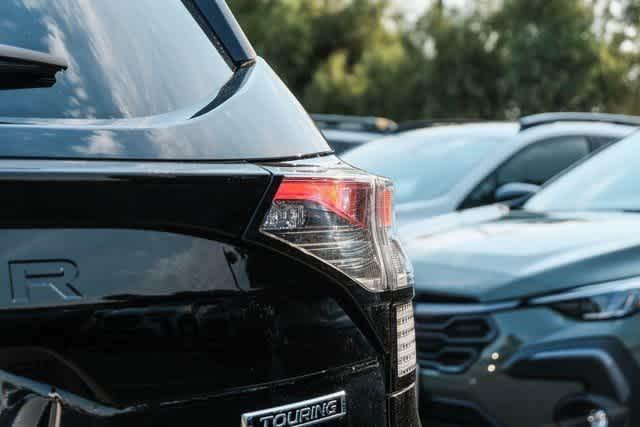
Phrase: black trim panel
(227,31)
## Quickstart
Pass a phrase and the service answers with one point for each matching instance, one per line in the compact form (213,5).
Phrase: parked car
(444,169)
(179,245)
(529,316)
(347,132)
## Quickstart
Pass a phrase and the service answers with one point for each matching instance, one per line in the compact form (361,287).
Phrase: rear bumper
(361,388)
(403,408)
(248,340)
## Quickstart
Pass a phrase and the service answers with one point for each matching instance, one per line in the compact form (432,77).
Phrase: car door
(535,164)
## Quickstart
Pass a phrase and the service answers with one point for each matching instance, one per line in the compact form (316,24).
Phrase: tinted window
(542,161)
(126,58)
(535,164)
(423,167)
(599,142)
(606,181)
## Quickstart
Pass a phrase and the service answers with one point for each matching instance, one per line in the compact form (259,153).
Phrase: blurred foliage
(550,58)
(497,59)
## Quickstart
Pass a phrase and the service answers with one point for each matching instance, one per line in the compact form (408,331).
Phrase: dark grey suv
(530,316)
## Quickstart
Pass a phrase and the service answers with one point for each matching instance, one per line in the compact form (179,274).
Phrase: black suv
(180,246)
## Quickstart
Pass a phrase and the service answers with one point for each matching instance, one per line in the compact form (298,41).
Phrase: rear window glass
(127,58)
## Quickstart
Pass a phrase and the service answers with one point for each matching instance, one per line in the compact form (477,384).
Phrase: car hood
(519,254)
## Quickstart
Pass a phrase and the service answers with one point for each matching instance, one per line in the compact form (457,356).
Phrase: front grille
(451,344)
(439,412)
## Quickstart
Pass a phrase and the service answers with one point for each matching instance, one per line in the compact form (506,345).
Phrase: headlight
(612,300)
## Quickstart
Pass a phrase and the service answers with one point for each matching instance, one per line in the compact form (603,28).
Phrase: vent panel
(451,344)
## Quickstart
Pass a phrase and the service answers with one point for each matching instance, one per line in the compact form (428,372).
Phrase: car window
(423,167)
(608,181)
(126,58)
(535,164)
(542,161)
(599,142)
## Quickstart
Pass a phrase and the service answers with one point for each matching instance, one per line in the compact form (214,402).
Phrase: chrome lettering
(265,421)
(280,420)
(299,415)
(305,414)
(295,420)
(332,407)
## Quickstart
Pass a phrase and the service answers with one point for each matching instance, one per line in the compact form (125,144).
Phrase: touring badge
(310,412)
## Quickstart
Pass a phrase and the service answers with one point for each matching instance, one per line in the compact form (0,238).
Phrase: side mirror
(515,191)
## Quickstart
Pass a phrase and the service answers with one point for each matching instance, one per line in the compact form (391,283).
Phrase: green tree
(282,32)
(319,47)
(361,81)
(620,28)
(456,66)
(495,60)
(552,60)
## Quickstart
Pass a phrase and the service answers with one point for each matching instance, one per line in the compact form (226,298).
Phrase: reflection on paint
(127,59)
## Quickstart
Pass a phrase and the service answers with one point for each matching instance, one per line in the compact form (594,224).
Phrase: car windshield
(608,181)
(126,58)
(424,165)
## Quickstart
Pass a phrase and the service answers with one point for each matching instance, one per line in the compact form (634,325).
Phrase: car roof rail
(529,122)
(354,123)
(421,124)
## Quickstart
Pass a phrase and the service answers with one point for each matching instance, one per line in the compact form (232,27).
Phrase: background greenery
(491,59)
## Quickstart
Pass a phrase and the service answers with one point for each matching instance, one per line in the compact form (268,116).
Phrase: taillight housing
(345,219)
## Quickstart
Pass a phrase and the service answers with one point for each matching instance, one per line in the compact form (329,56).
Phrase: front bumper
(540,369)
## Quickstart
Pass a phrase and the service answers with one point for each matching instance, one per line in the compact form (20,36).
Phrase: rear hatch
(128,294)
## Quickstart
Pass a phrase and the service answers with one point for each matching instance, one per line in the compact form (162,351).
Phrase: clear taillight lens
(345,221)
(406,340)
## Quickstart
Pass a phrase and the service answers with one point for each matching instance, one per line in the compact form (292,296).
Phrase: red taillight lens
(345,221)
(347,199)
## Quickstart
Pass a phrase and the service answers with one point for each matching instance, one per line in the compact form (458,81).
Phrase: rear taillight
(406,340)
(346,221)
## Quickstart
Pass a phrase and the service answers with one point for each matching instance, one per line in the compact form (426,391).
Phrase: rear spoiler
(216,19)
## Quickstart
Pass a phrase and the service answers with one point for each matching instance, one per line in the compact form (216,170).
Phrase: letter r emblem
(43,282)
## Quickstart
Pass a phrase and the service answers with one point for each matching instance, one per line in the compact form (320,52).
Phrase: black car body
(529,317)
(155,271)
